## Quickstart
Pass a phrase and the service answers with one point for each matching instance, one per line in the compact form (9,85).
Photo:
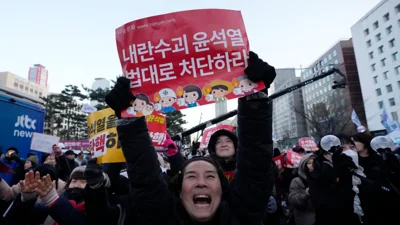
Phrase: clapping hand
(30,183)
(44,186)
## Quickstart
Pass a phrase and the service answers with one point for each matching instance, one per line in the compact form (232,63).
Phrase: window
(378,37)
(373,67)
(395,116)
(368,43)
(398,83)
(389,88)
(380,49)
(392,102)
(376,25)
(389,30)
(336,62)
(391,43)
(386,17)
(383,62)
(15,84)
(334,53)
(375,79)
(329,57)
(378,92)
(26,88)
(21,86)
(397,70)
(380,104)
(366,32)
(385,75)
(398,22)
(371,55)
(395,56)
(40,94)
(397,8)
(31,90)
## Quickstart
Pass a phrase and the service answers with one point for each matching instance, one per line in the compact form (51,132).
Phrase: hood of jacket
(303,165)
(214,137)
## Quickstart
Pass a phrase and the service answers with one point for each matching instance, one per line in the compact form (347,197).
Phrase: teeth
(201,196)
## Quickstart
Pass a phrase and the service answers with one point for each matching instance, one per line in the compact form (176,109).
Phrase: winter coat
(299,199)
(245,197)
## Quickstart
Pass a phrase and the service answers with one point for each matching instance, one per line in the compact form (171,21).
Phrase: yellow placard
(103,137)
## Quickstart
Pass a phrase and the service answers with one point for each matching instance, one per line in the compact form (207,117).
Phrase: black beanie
(216,135)
(45,169)
(13,149)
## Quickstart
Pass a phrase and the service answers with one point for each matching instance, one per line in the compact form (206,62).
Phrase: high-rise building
(38,74)
(99,83)
(329,110)
(22,85)
(376,39)
(288,122)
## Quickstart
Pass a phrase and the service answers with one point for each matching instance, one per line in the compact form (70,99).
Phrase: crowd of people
(345,182)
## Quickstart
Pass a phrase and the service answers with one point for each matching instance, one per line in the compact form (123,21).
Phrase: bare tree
(324,119)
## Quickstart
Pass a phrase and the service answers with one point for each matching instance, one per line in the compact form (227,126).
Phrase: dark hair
(365,139)
(77,175)
(12,149)
(345,139)
(143,97)
(193,88)
(217,87)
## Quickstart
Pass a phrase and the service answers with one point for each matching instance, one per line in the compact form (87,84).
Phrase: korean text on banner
(292,159)
(210,131)
(184,59)
(308,144)
(103,137)
(43,143)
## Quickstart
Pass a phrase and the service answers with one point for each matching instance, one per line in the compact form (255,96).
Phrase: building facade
(22,85)
(287,122)
(376,38)
(329,110)
(38,74)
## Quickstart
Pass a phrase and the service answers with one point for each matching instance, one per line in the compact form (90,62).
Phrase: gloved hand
(15,157)
(258,70)
(120,97)
(171,147)
(344,164)
(94,175)
(272,206)
(195,148)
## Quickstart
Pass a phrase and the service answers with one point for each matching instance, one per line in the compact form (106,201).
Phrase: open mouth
(201,200)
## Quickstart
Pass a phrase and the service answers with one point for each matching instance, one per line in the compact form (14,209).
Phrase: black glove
(343,164)
(120,97)
(195,148)
(258,70)
(94,173)
(15,157)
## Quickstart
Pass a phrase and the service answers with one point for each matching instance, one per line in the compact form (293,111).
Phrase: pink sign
(76,144)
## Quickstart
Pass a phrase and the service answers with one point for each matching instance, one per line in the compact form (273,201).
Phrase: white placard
(86,108)
(43,142)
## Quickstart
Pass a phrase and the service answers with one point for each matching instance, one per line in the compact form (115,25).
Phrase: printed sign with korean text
(103,137)
(210,131)
(308,144)
(293,159)
(279,161)
(184,59)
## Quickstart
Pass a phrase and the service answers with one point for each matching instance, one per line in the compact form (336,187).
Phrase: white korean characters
(206,65)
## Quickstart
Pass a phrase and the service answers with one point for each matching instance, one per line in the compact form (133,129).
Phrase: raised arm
(149,190)
(253,181)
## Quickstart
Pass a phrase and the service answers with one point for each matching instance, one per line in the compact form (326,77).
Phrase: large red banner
(208,132)
(185,59)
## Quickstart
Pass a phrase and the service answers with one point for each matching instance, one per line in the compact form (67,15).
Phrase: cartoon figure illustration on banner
(189,95)
(148,110)
(165,99)
(138,105)
(244,86)
(217,90)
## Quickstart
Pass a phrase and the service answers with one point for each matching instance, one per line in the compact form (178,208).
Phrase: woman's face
(310,165)
(201,190)
(359,146)
(77,184)
(224,147)
(27,164)
(347,147)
